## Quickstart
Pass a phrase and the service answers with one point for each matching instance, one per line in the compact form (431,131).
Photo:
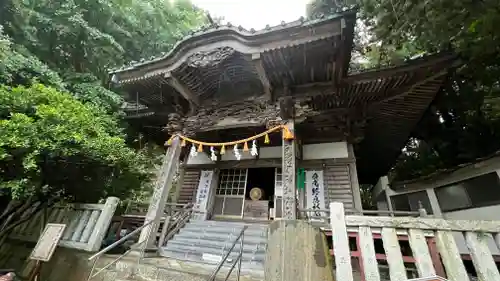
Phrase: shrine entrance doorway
(230,194)
(252,194)
(259,199)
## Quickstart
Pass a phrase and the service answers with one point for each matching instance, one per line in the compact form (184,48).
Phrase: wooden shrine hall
(268,121)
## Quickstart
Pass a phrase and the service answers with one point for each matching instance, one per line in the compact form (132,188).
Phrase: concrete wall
(483,213)
(330,150)
(480,213)
(66,264)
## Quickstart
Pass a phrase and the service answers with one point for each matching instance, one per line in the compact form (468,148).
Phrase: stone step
(227,229)
(202,249)
(219,235)
(248,264)
(229,223)
(159,269)
(197,269)
(248,246)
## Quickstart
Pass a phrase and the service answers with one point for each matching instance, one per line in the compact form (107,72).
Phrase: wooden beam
(259,67)
(182,89)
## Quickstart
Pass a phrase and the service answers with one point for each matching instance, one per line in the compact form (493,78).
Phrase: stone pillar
(162,188)
(299,252)
(288,170)
(102,224)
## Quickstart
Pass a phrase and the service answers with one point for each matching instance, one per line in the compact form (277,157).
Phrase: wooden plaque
(47,242)
(256,209)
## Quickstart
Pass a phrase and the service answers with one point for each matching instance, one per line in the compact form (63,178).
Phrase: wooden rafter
(182,89)
(394,94)
(259,67)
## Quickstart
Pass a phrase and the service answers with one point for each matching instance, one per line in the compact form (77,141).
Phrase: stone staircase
(203,243)
(193,253)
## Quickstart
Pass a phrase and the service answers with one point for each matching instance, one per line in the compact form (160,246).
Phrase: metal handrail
(96,256)
(183,215)
(241,237)
(180,222)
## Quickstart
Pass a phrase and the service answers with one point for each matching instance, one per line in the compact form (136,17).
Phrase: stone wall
(66,264)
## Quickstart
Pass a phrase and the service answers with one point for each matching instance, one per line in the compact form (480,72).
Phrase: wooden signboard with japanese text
(47,242)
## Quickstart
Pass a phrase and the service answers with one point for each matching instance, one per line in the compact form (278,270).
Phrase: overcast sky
(254,13)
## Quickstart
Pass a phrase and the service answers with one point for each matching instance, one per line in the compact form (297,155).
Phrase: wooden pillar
(160,194)
(288,170)
(356,193)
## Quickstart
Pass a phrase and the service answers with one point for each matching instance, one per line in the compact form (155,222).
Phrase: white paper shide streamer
(237,153)
(253,150)
(192,151)
(212,154)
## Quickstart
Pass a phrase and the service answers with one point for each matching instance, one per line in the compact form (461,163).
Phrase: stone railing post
(102,224)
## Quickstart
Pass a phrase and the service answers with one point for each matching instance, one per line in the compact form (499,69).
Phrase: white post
(340,242)
(102,224)
(160,193)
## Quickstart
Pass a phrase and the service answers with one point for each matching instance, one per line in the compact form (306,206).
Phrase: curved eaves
(247,41)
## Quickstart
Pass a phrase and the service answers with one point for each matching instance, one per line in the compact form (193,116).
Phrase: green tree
(54,148)
(463,122)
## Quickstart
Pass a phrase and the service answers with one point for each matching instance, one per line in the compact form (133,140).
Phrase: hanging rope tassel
(223,150)
(200,148)
(169,142)
(287,135)
(266,139)
(183,143)
(245,147)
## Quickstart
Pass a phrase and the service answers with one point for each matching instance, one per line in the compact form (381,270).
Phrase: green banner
(301,179)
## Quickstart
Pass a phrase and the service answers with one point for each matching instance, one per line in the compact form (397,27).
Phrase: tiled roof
(229,28)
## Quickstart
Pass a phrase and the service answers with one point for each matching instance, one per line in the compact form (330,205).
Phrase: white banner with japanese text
(203,193)
(315,193)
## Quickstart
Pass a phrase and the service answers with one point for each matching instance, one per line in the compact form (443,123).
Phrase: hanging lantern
(266,139)
(237,154)
(253,150)
(192,151)
(223,150)
(245,147)
(212,154)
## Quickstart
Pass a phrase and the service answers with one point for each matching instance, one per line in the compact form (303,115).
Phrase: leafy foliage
(61,135)
(51,143)
(463,123)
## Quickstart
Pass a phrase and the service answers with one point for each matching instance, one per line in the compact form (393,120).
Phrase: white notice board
(47,242)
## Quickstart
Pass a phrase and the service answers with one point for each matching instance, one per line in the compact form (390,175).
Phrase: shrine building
(263,123)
